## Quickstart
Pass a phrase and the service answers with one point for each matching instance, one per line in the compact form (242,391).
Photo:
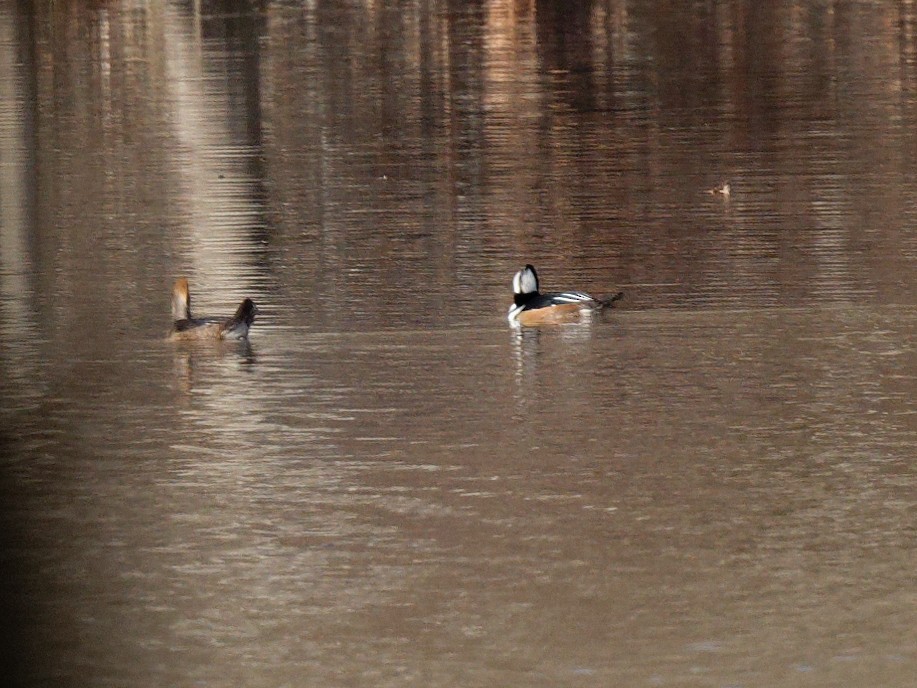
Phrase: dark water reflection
(713,485)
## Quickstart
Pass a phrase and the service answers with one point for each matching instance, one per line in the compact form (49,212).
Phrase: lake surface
(713,484)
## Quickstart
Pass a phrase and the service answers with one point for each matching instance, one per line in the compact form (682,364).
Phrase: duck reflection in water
(201,366)
(188,328)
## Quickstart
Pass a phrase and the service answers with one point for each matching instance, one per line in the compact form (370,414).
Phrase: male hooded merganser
(187,328)
(530,307)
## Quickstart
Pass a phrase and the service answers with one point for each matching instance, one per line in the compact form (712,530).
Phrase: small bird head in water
(724,190)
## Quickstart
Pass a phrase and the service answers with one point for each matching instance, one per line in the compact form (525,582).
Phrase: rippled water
(712,485)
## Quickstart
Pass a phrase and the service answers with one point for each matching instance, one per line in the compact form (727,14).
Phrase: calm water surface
(713,485)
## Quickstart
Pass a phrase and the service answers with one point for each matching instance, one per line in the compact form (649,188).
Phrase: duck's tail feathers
(237,326)
(609,302)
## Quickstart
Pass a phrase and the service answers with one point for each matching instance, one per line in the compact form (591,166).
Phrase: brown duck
(187,328)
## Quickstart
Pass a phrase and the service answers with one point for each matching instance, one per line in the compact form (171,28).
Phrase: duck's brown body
(554,315)
(187,328)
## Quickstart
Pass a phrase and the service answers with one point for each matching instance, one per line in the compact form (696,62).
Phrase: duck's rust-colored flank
(553,315)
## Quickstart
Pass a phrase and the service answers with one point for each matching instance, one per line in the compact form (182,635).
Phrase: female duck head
(181,300)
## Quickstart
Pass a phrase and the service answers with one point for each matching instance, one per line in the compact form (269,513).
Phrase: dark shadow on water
(25,590)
